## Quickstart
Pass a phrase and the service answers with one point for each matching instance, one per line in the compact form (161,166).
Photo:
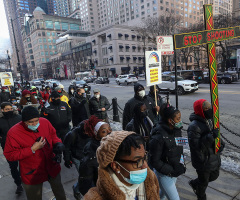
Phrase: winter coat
(35,168)
(6,124)
(74,143)
(88,171)
(164,153)
(46,95)
(65,99)
(203,157)
(129,106)
(59,116)
(23,101)
(4,97)
(96,105)
(80,109)
(108,190)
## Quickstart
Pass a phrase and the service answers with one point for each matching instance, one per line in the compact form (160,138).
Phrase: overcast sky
(4,34)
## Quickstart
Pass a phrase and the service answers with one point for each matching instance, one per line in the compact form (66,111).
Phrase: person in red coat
(34,143)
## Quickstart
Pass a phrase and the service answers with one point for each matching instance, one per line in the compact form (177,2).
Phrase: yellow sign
(6,78)
(153,75)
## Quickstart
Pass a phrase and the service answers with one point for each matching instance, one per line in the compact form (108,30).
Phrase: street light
(18,61)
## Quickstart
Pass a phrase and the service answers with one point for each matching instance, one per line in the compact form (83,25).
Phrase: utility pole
(9,61)
(18,61)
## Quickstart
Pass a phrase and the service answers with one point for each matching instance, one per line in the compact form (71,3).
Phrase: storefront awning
(109,35)
(120,34)
(121,58)
(112,69)
(110,47)
(111,58)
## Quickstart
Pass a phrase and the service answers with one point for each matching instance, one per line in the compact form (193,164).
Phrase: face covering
(33,128)
(141,93)
(178,125)
(144,114)
(8,114)
(28,99)
(97,96)
(18,92)
(72,91)
(86,89)
(14,101)
(6,90)
(208,113)
(56,101)
(136,177)
(35,97)
(43,88)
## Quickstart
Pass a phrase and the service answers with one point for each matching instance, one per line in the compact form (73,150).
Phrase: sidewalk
(226,187)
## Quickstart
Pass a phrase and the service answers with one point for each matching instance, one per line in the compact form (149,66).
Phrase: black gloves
(178,170)
(58,148)
(68,163)
(215,132)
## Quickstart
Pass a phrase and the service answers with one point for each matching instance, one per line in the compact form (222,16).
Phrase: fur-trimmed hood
(107,189)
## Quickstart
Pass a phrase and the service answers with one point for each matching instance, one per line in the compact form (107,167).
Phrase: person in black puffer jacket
(8,118)
(138,98)
(59,114)
(74,143)
(201,136)
(4,95)
(166,157)
(99,105)
(88,171)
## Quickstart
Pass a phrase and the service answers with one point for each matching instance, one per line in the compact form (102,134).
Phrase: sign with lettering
(6,79)
(153,68)
(165,45)
(205,37)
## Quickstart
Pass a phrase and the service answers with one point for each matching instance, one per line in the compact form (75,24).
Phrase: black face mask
(144,114)
(56,101)
(28,99)
(8,114)
(208,114)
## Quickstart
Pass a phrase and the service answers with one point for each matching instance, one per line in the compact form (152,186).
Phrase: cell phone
(38,139)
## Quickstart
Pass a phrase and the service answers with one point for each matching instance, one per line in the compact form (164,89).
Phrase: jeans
(201,183)
(76,162)
(15,172)
(167,186)
(34,192)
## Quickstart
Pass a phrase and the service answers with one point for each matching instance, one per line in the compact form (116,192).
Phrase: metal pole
(176,82)
(18,61)
(115,110)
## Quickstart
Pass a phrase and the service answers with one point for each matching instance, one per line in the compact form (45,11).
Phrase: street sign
(6,79)
(185,40)
(153,68)
(165,45)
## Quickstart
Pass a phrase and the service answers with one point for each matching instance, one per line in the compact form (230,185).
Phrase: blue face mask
(33,128)
(136,177)
(18,92)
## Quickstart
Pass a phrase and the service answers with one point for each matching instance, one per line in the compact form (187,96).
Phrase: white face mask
(72,91)
(97,96)
(141,93)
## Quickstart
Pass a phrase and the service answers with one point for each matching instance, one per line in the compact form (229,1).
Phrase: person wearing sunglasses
(123,173)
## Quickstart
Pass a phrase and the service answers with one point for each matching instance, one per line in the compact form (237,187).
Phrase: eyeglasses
(138,163)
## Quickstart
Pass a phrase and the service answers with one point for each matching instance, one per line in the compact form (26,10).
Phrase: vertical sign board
(153,68)
(165,45)
(6,79)
(208,15)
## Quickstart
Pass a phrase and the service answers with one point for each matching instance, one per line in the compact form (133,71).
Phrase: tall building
(15,13)
(39,38)
(236,8)
(62,7)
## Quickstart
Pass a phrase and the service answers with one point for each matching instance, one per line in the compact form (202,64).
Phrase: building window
(74,27)
(49,24)
(57,25)
(45,46)
(64,26)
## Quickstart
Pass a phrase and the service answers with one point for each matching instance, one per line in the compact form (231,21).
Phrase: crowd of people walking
(41,126)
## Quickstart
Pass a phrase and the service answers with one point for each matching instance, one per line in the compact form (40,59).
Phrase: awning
(111,58)
(149,48)
(120,34)
(126,35)
(127,47)
(112,69)
(138,36)
(139,58)
(120,46)
(134,47)
(128,58)
(93,41)
(141,68)
(110,47)
(155,49)
(124,68)
(121,58)
(109,35)
(96,61)
(134,58)
(133,36)
(95,51)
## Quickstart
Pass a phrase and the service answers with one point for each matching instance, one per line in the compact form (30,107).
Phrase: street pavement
(226,187)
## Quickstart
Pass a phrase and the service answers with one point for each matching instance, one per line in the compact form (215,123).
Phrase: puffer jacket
(4,97)
(6,124)
(129,106)
(203,157)
(95,106)
(88,171)
(164,153)
(35,167)
(75,142)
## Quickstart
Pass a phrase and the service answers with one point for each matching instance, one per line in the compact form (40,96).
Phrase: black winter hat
(55,94)
(137,86)
(29,112)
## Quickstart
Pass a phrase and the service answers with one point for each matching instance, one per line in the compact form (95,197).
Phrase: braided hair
(90,125)
(168,112)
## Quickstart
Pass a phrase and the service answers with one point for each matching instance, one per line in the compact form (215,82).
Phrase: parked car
(88,79)
(195,75)
(127,79)
(102,80)
(77,84)
(184,86)
(42,80)
(36,82)
(223,78)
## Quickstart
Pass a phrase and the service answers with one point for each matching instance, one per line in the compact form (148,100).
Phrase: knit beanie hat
(55,94)
(25,92)
(109,145)
(198,107)
(29,112)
